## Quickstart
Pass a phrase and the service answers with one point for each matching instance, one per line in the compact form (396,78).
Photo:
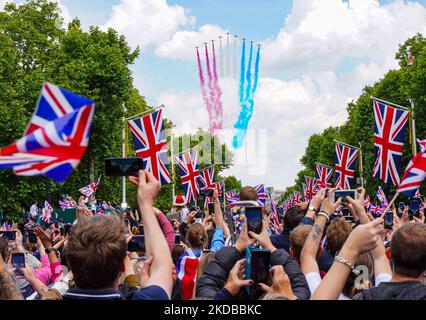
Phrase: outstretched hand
(236,279)
(263,238)
(148,187)
(328,205)
(44,237)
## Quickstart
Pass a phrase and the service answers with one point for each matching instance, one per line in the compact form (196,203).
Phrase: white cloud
(148,22)
(2,3)
(182,44)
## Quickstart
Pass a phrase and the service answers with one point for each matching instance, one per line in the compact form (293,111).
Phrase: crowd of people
(188,253)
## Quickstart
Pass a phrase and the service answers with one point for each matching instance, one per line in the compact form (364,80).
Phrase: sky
(316,57)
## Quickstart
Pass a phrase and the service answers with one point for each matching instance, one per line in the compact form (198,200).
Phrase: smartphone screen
(177,238)
(388,220)
(345,212)
(18,262)
(9,235)
(401,206)
(207,192)
(254,219)
(199,215)
(136,244)
(211,208)
(123,167)
(257,265)
(343,194)
(126,222)
(67,228)
(31,236)
(414,204)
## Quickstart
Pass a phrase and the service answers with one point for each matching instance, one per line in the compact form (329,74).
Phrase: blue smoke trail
(247,104)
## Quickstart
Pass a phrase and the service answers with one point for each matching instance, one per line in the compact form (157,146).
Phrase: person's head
(297,240)
(248,194)
(196,236)
(365,264)
(177,251)
(204,261)
(408,250)
(95,252)
(292,218)
(336,234)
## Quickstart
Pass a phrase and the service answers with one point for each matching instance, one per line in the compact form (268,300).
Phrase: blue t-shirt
(150,293)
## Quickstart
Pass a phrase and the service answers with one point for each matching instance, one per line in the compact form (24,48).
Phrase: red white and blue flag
(46,212)
(275,221)
(389,130)
(232,197)
(189,174)
(5,227)
(261,196)
(376,210)
(382,197)
(324,175)
(367,202)
(415,174)
(306,195)
(311,185)
(186,269)
(149,136)
(64,204)
(296,197)
(345,166)
(56,138)
(91,188)
(206,180)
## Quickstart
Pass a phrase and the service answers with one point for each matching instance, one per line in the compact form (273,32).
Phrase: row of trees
(35,47)
(397,86)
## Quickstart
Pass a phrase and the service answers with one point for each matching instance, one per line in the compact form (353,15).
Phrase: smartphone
(257,269)
(136,244)
(62,231)
(211,208)
(21,227)
(32,236)
(207,192)
(9,235)
(414,204)
(346,213)
(67,229)
(388,220)
(401,206)
(126,222)
(177,239)
(123,167)
(254,219)
(18,262)
(200,215)
(344,193)
(141,231)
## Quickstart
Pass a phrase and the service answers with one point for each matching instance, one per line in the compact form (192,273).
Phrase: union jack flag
(324,175)
(219,188)
(149,136)
(189,173)
(382,197)
(46,212)
(389,129)
(232,197)
(415,174)
(296,197)
(345,166)
(64,204)
(367,202)
(100,211)
(206,180)
(376,210)
(90,189)
(306,196)
(311,186)
(261,196)
(275,220)
(56,138)
(5,227)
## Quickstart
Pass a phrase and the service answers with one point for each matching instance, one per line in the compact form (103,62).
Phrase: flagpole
(390,204)
(172,161)
(145,112)
(194,147)
(389,103)
(345,144)
(413,129)
(361,171)
(123,192)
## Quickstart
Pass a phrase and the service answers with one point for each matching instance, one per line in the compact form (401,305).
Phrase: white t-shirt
(33,210)
(314,279)
(183,213)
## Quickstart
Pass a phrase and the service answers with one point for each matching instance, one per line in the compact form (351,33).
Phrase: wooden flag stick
(390,204)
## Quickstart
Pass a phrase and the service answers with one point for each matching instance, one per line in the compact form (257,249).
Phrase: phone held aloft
(123,167)
(18,262)
(257,269)
(345,193)
(254,219)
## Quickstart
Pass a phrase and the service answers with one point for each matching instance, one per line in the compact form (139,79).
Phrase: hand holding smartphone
(257,269)
(254,219)
(345,193)
(18,262)
(123,167)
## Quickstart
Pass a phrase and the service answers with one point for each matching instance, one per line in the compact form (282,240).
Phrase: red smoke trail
(203,87)
(211,90)
(218,93)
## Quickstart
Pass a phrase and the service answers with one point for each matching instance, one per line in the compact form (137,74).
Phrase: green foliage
(397,86)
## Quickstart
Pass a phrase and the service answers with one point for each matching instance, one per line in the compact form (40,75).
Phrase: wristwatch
(49,250)
(312,208)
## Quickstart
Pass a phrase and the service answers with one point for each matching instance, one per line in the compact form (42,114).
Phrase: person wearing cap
(179,207)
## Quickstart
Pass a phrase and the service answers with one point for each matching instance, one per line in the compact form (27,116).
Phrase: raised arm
(167,228)
(155,242)
(308,256)
(8,288)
